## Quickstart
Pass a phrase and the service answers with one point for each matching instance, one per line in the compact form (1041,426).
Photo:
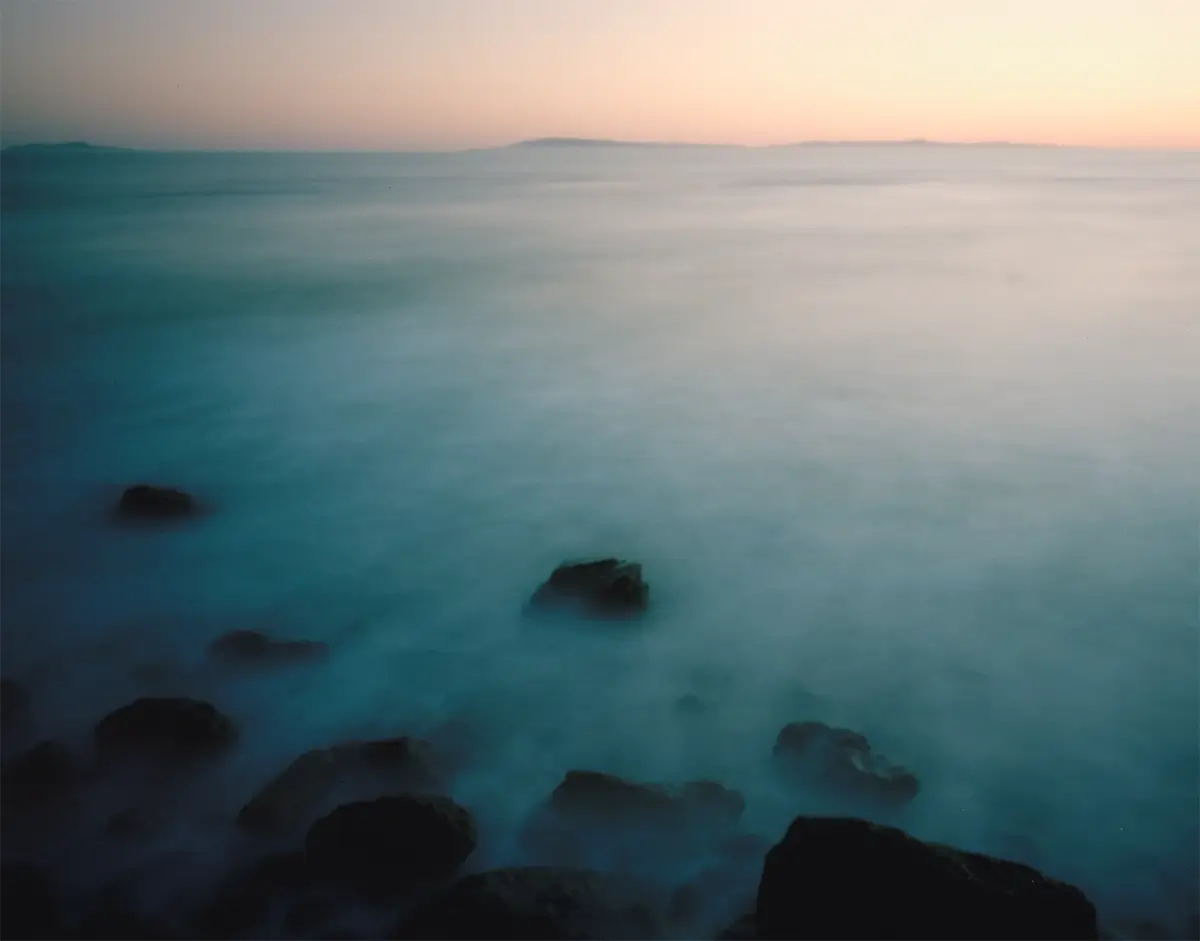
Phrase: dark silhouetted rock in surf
(840,877)
(536,903)
(841,762)
(43,773)
(247,896)
(368,769)
(592,813)
(134,823)
(14,703)
(391,842)
(168,727)
(606,588)
(690,704)
(253,648)
(148,502)
(29,906)
(115,919)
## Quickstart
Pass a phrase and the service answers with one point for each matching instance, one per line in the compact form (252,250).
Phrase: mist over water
(904,437)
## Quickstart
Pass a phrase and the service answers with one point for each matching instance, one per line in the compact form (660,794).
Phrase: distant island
(67,147)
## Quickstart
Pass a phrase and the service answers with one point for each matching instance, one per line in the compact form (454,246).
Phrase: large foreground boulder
(357,769)
(254,648)
(150,502)
(840,877)
(603,588)
(391,842)
(14,703)
(841,762)
(29,905)
(536,903)
(168,727)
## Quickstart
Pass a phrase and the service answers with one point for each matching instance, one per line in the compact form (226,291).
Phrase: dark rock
(28,903)
(712,804)
(841,762)
(608,587)
(14,703)
(838,877)
(297,793)
(145,501)
(310,914)
(133,823)
(41,774)
(607,798)
(171,727)
(257,649)
(114,920)
(536,903)
(391,842)
(247,897)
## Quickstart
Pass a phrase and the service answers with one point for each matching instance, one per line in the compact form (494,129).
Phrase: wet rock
(310,915)
(171,727)
(247,897)
(45,772)
(369,768)
(712,804)
(29,905)
(841,762)
(535,903)
(391,842)
(607,587)
(840,877)
(115,919)
(149,502)
(14,703)
(133,823)
(253,648)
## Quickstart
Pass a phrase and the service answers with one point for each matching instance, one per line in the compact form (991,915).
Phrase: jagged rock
(172,727)
(14,703)
(391,842)
(370,769)
(607,587)
(253,648)
(43,773)
(536,903)
(28,903)
(840,877)
(841,762)
(146,501)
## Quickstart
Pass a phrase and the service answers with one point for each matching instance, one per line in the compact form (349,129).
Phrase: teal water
(905,438)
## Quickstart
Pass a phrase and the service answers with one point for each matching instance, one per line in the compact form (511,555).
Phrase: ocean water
(906,439)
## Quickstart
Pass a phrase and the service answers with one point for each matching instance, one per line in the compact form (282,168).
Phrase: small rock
(169,726)
(839,877)
(536,903)
(712,804)
(841,762)
(391,842)
(607,587)
(257,649)
(370,768)
(41,774)
(146,501)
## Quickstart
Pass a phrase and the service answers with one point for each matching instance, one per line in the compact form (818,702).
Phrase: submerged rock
(172,727)
(842,762)
(41,774)
(146,501)
(606,587)
(297,793)
(840,877)
(14,703)
(243,902)
(538,903)
(253,648)
(391,842)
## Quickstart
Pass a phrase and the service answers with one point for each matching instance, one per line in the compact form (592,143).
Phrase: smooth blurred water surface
(905,437)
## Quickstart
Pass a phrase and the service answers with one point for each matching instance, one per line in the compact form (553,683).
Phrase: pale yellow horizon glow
(447,74)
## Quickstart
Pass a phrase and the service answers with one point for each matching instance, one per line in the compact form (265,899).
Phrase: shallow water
(905,438)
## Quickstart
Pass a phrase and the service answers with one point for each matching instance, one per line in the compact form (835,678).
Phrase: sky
(449,74)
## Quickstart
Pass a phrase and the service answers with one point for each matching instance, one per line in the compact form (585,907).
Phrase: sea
(905,437)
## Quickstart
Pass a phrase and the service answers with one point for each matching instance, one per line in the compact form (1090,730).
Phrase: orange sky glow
(448,74)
